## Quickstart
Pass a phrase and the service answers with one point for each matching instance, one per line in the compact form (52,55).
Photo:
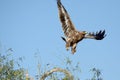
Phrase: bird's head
(84,32)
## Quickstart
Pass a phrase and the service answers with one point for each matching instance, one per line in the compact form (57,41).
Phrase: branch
(67,73)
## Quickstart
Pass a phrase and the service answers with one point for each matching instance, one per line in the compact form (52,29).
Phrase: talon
(73,51)
(67,48)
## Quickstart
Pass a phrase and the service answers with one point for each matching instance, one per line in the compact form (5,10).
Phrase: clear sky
(30,26)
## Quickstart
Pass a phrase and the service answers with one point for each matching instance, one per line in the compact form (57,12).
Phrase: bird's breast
(77,37)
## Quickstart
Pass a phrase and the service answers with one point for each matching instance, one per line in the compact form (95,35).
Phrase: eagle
(73,36)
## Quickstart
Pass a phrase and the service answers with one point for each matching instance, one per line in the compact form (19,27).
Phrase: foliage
(7,71)
(96,74)
(73,70)
(62,71)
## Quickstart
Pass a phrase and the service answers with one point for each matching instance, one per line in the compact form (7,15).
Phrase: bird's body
(72,35)
(73,39)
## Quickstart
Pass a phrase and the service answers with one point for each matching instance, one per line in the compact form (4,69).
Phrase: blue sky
(30,26)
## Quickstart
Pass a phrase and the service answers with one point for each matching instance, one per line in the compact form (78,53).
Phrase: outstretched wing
(97,36)
(67,24)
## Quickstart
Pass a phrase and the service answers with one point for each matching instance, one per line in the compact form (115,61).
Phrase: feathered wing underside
(66,22)
(97,36)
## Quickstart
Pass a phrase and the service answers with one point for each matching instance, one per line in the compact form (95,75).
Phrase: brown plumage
(72,35)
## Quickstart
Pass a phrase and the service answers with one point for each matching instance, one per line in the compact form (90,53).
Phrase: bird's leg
(68,41)
(74,48)
(67,46)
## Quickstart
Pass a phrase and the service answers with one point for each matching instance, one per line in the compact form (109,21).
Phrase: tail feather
(63,39)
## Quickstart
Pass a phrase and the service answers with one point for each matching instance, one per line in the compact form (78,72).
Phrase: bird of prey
(72,35)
